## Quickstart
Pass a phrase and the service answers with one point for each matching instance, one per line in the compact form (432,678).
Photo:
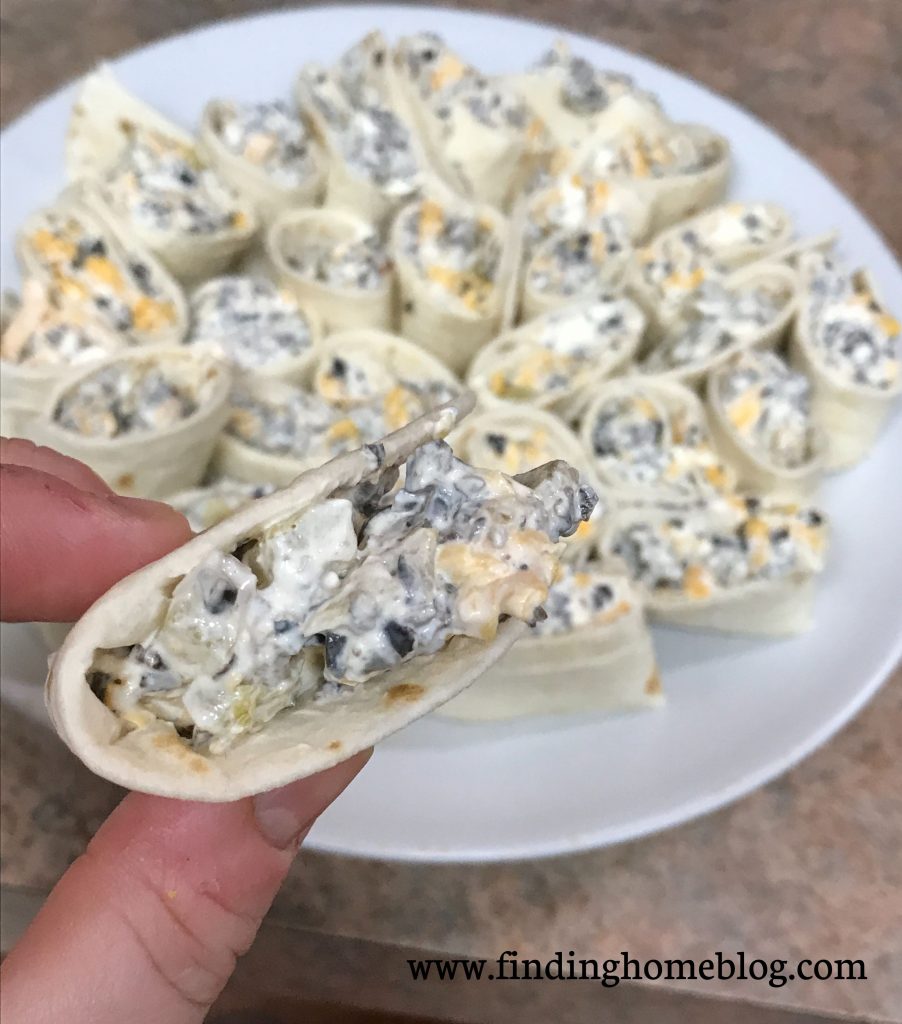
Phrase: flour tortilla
(298,741)
(82,203)
(756,473)
(444,327)
(851,415)
(780,607)
(143,465)
(269,198)
(102,116)
(25,387)
(605,668)
(340,308)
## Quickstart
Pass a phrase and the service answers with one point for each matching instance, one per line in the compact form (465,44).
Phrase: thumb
(146,925)
(61,547)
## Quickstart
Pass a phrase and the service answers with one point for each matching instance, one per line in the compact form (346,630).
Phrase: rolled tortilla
(572,97)
(603,665)
(678,260)
(481,136)
(678,579)
(750,309)
(41,342)
(292,244)
(272,175)
(766,430)
(117,142)
(851,399)
(571,202)
(679,169)
(260,329)
(357,366)
(513,440)
(365,384)
(260,407)
(76,249)
(557,360)
(141,462)
(455,263)
(649,441)
(375,161)
(299,740)
(206,506)
(572,265)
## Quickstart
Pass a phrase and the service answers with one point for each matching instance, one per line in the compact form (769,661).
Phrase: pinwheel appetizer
(570,265)
(376,164)
(41,341)
(265,153)
(679,260)
(84,260)
(594,624)
(481,135)
(372,368)
(152,179)
(455,263)
(306,626)
(752,308)
(256,326)
(649,441)
(555,361)
(573,97)
(204,507)
(335,263)
(735,565)
(145,420)
(571,203)
(511,440)
(679,169)
(365,384)
(850,347)
(761,420)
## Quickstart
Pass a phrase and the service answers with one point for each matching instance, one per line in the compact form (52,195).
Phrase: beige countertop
(808,866)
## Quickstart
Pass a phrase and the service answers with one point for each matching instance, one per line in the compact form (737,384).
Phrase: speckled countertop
(810,865)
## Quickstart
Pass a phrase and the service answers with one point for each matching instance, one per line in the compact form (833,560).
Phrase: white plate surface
(740,711)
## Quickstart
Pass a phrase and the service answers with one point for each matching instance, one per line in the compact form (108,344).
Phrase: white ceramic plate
(740,711)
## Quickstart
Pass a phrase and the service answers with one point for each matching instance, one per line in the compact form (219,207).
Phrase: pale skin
(147,924)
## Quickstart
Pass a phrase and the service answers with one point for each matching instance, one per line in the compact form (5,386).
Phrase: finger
(17,451)
(146,925)
(62,547)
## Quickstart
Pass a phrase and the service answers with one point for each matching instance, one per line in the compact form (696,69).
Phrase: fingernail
(284,816)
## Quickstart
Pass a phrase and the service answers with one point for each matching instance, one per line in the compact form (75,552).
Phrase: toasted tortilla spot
(405,693)
(335,745)
(126,482)
(653,684)
(174,745)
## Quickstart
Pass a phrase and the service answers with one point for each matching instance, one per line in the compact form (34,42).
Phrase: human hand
(147,924)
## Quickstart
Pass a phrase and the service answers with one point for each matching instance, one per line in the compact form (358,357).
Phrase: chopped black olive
(779,535)
(400,637)
(185,731)
(282,625)
(602,595)
(333,644)
(221,595)
(99,681)
(588,499)
(339,368)
(497,442)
